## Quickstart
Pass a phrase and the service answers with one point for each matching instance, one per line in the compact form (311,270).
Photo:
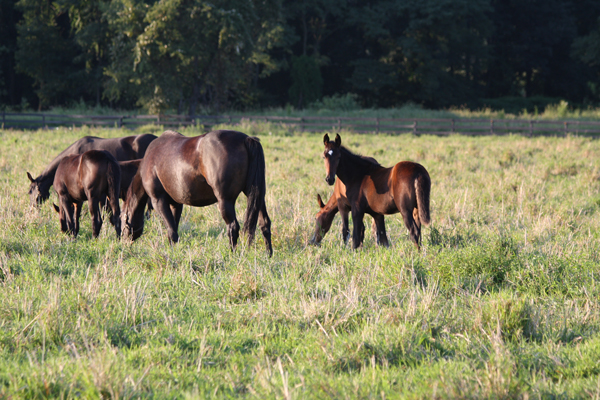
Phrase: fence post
(302,124)
(452,126)
(377,124)
(44,121)
(339,124)
(530,127)
(566,127)
(492,126)
(415,128)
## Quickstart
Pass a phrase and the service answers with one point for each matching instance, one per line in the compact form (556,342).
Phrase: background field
(501,303)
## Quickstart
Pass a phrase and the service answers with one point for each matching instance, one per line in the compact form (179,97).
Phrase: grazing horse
(337,202)
(378,191)
(199,171)
(123,149)
(92,176)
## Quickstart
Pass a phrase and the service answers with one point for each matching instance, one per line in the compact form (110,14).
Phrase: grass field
(502,302)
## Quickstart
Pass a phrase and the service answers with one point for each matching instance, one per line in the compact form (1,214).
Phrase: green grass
(562,110)
(501,303)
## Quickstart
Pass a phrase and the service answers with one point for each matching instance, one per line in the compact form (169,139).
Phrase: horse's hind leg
(411,225)
(417,222)
(78,207)
(227,209)
(265,226)
(95,214)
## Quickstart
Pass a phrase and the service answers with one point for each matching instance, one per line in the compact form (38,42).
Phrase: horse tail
(256,186)
(423,189)
(113,177)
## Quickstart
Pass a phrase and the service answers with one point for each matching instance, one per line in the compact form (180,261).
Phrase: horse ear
(56,208)
(30,177)
(320,201)
(325,139)
(338,140)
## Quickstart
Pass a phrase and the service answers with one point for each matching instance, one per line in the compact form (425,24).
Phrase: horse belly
(202,195)
(198,194)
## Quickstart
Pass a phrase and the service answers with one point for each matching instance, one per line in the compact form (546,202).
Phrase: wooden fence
(433,126)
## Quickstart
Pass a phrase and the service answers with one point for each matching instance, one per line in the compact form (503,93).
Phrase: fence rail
(435,126)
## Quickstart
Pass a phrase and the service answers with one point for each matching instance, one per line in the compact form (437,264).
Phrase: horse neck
(46,178)
(352,167)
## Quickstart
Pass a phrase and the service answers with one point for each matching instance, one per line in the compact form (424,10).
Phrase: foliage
(306,81)
(192,56)
(347,102)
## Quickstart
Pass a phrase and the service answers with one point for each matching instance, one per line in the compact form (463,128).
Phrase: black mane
(362,161)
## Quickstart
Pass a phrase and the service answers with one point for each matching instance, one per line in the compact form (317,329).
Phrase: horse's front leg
(345,224)
(162,206)
(227,209)
(379,223)
(358,229)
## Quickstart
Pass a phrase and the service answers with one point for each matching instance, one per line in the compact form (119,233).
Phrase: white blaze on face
(330,152)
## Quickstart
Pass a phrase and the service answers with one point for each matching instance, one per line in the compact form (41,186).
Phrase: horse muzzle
(330,179)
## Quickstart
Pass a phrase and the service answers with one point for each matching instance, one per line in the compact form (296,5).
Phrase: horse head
(132,223)
(323,221)
(331,155)
(37,193)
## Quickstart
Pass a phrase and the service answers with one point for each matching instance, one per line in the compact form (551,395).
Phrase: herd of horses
(164,173)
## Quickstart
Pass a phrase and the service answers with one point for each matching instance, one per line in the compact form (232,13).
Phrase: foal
(377,191)
(337,202)
(92,176)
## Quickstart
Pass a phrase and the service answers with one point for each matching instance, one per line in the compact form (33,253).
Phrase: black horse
(93,176)
(123,149)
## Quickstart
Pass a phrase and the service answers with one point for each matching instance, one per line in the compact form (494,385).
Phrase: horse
(199,171)
(375,190)
(93,176)
(324,218)
(123,149)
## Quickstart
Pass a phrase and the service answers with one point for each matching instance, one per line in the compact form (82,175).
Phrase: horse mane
(362,161)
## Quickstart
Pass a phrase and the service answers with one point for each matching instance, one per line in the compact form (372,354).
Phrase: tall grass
(502,302)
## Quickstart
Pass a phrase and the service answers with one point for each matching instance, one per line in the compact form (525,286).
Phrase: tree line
(195,56)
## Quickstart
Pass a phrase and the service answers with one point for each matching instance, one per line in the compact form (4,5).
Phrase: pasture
(502,301)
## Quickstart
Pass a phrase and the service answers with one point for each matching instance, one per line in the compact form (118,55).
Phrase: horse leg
(265,226)
(417,222)
(358,229)
(177,210)
(379,225)
(78,207)
(164,209)
(95,214)
(411,224)
(227,209)
(345,228)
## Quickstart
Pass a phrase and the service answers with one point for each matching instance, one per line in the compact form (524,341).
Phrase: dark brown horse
(123,149)
(93,176)
(378,191)
(337,202)
(199,171)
